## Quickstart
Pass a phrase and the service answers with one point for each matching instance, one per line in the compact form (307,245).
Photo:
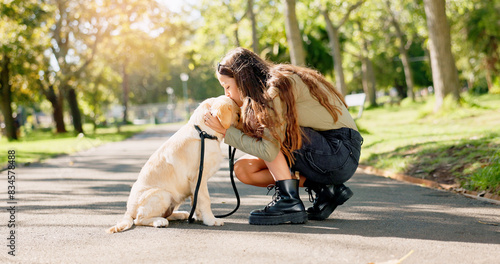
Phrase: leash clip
(203,133)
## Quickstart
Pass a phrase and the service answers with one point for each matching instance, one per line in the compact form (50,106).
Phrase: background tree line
(78,57)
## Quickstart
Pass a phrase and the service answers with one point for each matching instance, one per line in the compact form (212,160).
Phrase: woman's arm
(266,148)
(262,148)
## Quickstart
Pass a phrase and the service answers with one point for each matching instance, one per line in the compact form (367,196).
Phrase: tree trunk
(489,80)
(255,40)
(125,92)
(75,110)
(57,108)
(6,100)
(368,78)
(236,36)
(372,90)
(334,43)
(405,58)
(95,103)
(293,35)
(399,88)
(444,70)
(63,34)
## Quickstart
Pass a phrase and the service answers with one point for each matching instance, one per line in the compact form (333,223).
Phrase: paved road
(65,204)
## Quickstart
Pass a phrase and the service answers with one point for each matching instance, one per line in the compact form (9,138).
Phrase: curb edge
(483,196)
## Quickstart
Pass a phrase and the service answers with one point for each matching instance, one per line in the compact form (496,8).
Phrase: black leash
(204,135)
(232,151)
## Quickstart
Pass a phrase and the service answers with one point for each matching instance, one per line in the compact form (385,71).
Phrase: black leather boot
(327,199)
(285,207)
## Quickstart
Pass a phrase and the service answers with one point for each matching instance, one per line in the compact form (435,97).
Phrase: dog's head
(222,107)
(226,110)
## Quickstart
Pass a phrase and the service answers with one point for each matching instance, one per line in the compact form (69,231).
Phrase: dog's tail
(126,223)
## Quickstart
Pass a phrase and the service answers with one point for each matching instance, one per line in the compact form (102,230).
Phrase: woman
(293,120)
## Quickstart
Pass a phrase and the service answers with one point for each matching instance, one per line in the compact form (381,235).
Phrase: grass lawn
(458,146)
(38,145)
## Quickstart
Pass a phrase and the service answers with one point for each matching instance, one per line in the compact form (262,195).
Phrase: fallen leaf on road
(486,223)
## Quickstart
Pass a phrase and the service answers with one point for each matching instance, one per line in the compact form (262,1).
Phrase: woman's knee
(253,171)
(241,171)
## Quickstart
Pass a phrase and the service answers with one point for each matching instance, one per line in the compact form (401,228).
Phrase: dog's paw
(213,222)
(160,223)
(179,215)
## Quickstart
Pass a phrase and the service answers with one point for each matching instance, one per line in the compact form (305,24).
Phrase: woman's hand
(214,123)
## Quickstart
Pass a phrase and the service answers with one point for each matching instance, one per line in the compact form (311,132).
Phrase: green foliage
(318,53)
(100,41)
(422,74)
(477,47)
(480,31)
(23,27)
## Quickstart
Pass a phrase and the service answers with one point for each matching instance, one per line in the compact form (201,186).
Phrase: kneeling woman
(293,120)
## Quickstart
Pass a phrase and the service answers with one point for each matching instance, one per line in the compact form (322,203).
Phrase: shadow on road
(379,208)
(99,182)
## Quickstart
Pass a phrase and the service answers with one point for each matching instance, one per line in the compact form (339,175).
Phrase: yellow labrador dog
(171,173)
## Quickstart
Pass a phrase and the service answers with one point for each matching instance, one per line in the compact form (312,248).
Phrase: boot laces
(276,195)
(313,196)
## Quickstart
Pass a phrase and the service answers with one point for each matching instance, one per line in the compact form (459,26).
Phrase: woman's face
(230,88)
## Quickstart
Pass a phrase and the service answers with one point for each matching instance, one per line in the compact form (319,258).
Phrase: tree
(369,85)
(444,71)
(214,35)
(101,85)
(6,98)
(333,34)
(253,21)
(293,34)
(20,45)
(484,35)
(78,29)
(364,55)
(234,14)
(49,88)
(404,46)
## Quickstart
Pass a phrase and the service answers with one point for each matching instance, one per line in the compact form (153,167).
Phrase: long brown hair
(253,76)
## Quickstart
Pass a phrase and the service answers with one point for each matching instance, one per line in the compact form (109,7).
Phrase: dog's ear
(225,116)
(224,113)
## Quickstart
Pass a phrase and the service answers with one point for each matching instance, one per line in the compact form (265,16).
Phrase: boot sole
(294,218)
(328,210)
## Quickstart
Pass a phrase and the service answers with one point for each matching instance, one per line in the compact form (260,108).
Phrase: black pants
(328,157)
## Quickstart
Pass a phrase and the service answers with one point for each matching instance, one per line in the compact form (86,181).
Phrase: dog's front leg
(203,208)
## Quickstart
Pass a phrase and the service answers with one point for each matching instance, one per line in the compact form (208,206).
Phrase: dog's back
(171,172)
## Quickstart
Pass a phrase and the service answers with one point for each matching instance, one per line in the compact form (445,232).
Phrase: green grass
(486,177)
(458,145)
(37,145)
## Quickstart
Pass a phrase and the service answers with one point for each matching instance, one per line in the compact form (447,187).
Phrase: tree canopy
(76,59)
